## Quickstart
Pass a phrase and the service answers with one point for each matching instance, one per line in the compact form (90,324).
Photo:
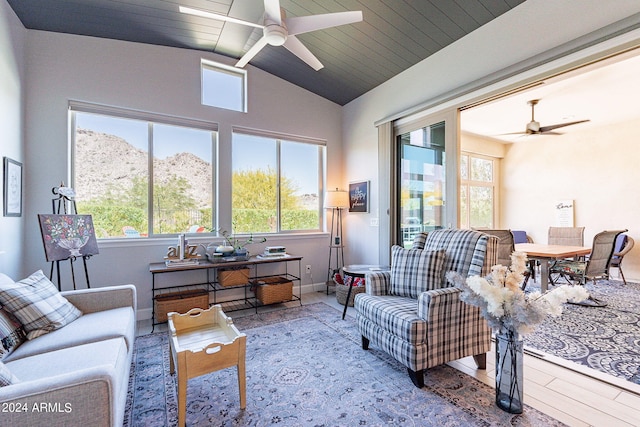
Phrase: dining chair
(566,236)
(506,245)
(521,236)
(595,267)
(624,244)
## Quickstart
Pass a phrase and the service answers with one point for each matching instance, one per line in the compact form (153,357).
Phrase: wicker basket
(233,277)
(342,290)
(180,302)
(272,290)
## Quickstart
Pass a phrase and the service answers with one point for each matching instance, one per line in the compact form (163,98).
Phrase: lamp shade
(336,199)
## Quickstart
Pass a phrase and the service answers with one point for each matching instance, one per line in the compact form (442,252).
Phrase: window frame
(279,138)
(150,119)
(209,65)
(494,185)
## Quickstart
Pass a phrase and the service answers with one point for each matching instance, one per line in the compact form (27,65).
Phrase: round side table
(358,270)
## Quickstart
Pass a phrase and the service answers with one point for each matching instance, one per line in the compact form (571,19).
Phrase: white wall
(597,169)
(156,79)
(530,29)
(12,82)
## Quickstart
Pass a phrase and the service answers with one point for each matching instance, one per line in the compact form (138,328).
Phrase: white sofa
(77,375)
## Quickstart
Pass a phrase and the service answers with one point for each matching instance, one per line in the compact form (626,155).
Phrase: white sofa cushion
(91,327)
(37,304)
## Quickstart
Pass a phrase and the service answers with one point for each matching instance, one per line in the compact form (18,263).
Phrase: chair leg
(365,343)
(622,275)
(417,377)
(481,360)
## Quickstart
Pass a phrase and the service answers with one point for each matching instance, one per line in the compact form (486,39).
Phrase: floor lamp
(337,201)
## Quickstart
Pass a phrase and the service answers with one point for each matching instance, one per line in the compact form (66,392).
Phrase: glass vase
(509,376)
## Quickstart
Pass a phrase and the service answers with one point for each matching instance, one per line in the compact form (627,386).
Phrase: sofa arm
(378,282)
(101,299)
(455,329)
(80,398)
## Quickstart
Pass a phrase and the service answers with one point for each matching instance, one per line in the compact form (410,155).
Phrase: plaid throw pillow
(414,271)
(11,333)
(6,377)
(37,304)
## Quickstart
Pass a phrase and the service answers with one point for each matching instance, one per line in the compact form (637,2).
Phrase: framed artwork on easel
(67,236)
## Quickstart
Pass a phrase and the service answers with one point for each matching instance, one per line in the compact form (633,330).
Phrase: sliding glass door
(422,181)
(426,177)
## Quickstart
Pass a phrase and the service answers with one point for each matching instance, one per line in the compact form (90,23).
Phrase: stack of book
(273,252)
(177,262)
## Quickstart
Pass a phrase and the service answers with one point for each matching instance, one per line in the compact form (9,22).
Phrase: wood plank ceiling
(393,36)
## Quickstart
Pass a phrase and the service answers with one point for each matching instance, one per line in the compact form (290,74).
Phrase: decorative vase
(509,376)
(225,250)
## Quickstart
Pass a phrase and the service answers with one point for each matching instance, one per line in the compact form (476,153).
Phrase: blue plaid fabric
(436,327)
(414,271)
(466,250)
(378,282)
(419,241)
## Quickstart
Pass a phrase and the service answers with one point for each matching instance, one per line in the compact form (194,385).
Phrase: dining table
(549,253)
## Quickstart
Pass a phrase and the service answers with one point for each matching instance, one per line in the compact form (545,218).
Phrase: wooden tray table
(201,342)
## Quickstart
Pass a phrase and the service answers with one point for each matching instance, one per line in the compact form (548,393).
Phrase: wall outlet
(308,269)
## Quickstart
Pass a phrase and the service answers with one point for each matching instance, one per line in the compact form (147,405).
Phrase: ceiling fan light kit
(275,32)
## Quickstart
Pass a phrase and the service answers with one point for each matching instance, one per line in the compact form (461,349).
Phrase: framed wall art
(12,187)
(67,236)
(359,196)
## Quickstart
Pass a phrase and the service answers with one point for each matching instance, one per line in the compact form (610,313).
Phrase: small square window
(224,86)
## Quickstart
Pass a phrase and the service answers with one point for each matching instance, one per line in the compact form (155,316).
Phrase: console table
(290,266)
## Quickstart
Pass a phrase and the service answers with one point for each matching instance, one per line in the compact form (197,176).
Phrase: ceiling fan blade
(560,125)
(252,52)
(296,47)
(211,15)
(305,24)
(272,11)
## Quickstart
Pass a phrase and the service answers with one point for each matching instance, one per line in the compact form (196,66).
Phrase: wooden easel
(66,196)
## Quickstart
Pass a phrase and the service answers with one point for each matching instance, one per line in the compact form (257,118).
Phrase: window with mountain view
(275,184)
(141,177)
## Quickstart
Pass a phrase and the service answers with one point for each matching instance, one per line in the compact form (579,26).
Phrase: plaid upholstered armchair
(414,315)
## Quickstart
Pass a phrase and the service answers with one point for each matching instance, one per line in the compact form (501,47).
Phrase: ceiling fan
(278,30)
(534,128)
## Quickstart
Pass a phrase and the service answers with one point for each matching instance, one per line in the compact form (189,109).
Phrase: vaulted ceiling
(393,36)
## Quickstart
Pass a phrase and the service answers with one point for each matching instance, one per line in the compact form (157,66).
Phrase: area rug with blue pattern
(606,339)
(305,367)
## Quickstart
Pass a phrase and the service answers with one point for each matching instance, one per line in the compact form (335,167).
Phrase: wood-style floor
(563,392)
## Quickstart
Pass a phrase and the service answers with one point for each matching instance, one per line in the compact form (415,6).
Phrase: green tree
(254,203)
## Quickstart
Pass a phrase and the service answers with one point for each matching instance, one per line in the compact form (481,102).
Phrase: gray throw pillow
(37,304)
(414,271)
(11,333)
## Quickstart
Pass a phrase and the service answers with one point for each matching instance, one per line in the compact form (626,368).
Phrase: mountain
(109,160)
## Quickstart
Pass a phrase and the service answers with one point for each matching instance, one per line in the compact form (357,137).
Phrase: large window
(276,183)
(477,191)
(141,176)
